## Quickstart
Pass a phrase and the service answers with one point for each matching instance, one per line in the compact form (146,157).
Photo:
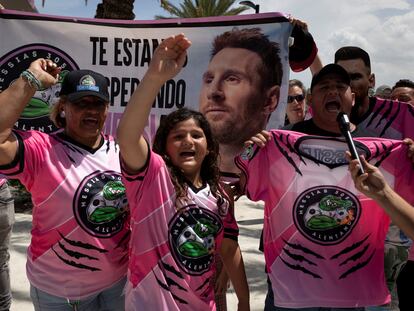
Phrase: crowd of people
(122,225)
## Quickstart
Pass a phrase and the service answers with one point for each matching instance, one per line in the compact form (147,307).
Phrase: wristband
(34,82)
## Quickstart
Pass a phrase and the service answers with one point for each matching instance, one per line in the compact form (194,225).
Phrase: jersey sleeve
(404,173)
(391,157)
(253,164)
(31,153)
(135,183)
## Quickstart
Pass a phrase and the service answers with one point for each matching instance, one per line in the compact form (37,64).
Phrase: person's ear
(272,99)
(371,79)
(353,99)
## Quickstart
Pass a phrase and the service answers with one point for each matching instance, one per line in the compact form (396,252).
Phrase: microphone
(344,126)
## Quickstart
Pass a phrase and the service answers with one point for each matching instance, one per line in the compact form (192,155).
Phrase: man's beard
(235,132)
(227,133)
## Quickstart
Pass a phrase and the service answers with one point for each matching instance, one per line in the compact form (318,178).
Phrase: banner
(121,51)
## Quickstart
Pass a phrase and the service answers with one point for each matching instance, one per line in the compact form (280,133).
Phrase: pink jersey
(173,243)
(323,240)
(388,119)
(411,253)
(394,120)
(80,233)
(2,180)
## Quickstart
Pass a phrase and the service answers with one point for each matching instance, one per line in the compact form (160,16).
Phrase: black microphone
(344,126)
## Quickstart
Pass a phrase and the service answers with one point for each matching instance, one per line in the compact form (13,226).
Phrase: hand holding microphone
(344,126)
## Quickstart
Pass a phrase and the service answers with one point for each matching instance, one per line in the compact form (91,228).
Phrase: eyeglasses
(298,98)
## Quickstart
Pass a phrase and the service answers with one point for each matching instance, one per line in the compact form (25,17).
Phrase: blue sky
(143,9)
(384,28)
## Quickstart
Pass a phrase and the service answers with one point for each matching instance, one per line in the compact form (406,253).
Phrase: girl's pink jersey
(323,240)
(173,243)
(80,233)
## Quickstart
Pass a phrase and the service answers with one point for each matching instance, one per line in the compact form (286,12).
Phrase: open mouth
(333,106)
(187,154)
(90,121)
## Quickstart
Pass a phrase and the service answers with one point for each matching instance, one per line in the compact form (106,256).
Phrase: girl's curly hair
(209,169)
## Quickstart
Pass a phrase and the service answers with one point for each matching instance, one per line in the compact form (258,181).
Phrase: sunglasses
(298,98)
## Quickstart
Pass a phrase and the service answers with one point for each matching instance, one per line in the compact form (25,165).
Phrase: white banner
(121,51)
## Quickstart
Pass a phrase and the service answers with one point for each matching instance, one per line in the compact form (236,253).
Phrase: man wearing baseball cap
(330,95)
(78,255)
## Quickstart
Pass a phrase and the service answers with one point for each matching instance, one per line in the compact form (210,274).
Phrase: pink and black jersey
(394,120)
(80,233)
(387,119)
(173,242)
(323,240)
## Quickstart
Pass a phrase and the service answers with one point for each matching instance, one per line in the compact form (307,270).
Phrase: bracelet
(34,82)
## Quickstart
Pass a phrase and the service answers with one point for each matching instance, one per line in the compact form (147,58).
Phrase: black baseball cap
(80,83)
(329,69)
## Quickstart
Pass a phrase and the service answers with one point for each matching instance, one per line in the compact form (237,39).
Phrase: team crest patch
(247,153)
(100,204)
(35,116)
(326,214)
(192,234)
(87,83)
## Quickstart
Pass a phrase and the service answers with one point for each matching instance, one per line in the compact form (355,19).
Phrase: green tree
(114,9)
(200,8)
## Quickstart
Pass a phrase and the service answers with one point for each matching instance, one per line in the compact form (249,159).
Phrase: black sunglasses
(298,98)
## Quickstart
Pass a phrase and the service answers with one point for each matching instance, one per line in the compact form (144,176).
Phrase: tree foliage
(200,8)
(114,9)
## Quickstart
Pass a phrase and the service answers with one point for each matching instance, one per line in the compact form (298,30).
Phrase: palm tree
(200,8)
(114,9)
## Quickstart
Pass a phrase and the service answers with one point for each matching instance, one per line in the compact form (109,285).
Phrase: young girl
(179,212)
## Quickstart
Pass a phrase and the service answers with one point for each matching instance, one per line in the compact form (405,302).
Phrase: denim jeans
(6,225)
(110,299)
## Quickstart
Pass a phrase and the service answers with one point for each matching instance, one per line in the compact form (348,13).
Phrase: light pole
(252,5)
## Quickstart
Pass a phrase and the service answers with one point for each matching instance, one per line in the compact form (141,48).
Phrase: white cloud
(384,28)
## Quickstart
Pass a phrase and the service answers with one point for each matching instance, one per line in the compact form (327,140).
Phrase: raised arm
(41,73)
(373,184)
(167,61)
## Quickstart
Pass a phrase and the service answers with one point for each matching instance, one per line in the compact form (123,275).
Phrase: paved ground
(250,219)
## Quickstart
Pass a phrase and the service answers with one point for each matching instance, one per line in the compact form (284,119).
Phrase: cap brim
(78,95)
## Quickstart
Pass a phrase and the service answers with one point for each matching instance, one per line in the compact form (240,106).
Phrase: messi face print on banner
(36,114)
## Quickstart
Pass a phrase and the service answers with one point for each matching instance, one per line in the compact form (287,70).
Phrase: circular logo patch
(193,231)
(326,214)
(100,204)
(36,114)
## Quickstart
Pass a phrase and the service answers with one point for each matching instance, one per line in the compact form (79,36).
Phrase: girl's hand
(169,57)
(260,139)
